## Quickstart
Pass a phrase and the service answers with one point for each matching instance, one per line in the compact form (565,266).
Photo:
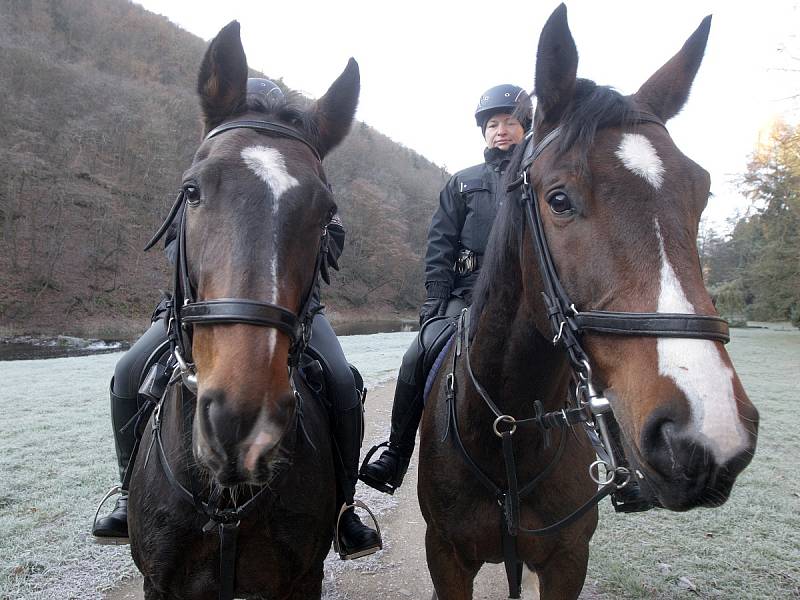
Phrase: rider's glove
(436,304)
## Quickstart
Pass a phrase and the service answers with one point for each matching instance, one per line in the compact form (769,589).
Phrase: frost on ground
(57,461)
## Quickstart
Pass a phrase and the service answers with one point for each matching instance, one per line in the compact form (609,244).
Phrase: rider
(356,538)
(457,238)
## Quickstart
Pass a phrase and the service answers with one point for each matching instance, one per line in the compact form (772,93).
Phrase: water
(32,348)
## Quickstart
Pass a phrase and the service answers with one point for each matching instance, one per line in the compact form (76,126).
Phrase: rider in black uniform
(355,537)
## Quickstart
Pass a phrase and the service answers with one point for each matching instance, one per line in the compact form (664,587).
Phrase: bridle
(568,323)
(186,312)
(586,406)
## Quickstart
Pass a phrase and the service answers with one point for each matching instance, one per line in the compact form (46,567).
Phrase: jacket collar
(497,157)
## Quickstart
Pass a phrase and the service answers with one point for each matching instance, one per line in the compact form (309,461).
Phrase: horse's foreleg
(562,576)
(452,577)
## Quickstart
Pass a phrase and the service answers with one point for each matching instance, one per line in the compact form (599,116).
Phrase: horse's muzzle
(239,442)
(681,470)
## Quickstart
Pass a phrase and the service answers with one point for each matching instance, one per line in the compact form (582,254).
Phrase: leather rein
(186,312)
(585,406)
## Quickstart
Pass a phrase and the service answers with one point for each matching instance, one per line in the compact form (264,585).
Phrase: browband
(266,126)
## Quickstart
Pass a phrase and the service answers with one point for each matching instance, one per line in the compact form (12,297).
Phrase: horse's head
(257,206)
(620,206)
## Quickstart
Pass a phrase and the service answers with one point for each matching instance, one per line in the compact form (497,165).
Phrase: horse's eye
(560,203)
(192,193)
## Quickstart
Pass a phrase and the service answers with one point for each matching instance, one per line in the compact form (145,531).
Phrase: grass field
(56,460)
(750,547)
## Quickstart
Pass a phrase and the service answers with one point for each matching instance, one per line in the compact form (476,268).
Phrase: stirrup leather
(364,552)
(108,541)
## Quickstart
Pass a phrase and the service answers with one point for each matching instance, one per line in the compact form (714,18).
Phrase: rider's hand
(433,307)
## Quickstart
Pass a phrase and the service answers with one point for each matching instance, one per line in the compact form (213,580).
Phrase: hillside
(99,120)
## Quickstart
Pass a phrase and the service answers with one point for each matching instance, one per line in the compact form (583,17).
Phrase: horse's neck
(515,363)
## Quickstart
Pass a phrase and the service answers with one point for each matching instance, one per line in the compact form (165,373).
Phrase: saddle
(434,339)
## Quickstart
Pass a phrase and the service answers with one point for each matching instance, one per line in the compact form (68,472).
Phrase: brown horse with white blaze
(617,206)
(233,490)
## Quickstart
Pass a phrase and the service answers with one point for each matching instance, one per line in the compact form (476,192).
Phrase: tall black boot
(387,472)
(354,538)
(114,526)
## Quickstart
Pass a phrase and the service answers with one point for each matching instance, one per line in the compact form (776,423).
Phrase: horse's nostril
(658,444)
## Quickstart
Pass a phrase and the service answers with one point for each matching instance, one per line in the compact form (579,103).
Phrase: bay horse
(590,301)
(233,490)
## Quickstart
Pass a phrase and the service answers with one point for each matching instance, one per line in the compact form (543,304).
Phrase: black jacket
(468,205)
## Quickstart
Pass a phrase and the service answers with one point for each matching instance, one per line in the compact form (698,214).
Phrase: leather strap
(233,310)
(654,324)
(267,127)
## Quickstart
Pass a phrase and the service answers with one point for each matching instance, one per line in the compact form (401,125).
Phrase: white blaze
(638,155)
(268,164)
(698,370)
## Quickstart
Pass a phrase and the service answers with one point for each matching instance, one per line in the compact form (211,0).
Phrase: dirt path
(398,572)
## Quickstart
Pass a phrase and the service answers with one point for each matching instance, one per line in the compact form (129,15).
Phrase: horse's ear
(667,90)
(556,66)
(334,112)
(222,81)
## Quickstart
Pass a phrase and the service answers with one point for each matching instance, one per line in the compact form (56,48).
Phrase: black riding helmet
(264,90)
(505,98)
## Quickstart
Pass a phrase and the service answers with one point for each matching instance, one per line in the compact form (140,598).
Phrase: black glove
(436,304)
(433,307)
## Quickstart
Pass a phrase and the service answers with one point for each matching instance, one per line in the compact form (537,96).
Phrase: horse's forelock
(593,107)
(289,109)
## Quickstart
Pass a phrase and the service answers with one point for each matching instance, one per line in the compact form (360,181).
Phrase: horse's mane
(593,107)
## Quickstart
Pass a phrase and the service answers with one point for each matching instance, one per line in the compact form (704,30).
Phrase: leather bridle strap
(251,312)
(266,127)
(677,325)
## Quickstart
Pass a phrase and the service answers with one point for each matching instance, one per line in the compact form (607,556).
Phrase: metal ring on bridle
(596,478)
(504,419)
(624,471)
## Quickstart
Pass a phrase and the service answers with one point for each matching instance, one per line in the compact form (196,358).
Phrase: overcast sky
(424,64)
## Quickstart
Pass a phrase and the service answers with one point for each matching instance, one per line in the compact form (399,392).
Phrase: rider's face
(503,131)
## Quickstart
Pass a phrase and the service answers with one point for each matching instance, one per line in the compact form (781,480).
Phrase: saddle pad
(435,368)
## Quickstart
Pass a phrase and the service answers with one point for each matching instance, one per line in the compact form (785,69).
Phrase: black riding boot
(354,538)
(387,472)
(115,524)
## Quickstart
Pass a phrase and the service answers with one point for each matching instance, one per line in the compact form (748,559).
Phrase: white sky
(425,64)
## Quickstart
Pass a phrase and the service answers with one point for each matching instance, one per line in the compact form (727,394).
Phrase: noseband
(185,311)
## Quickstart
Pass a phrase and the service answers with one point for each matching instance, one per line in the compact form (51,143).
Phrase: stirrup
(108,541)
(364,552)
(363,475)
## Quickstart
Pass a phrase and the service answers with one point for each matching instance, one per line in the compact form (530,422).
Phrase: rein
(185,312)
(587,406)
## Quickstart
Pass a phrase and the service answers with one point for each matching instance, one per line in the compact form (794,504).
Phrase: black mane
(593,107)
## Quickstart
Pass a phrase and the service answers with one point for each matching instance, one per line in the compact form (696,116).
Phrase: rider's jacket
(468,205)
